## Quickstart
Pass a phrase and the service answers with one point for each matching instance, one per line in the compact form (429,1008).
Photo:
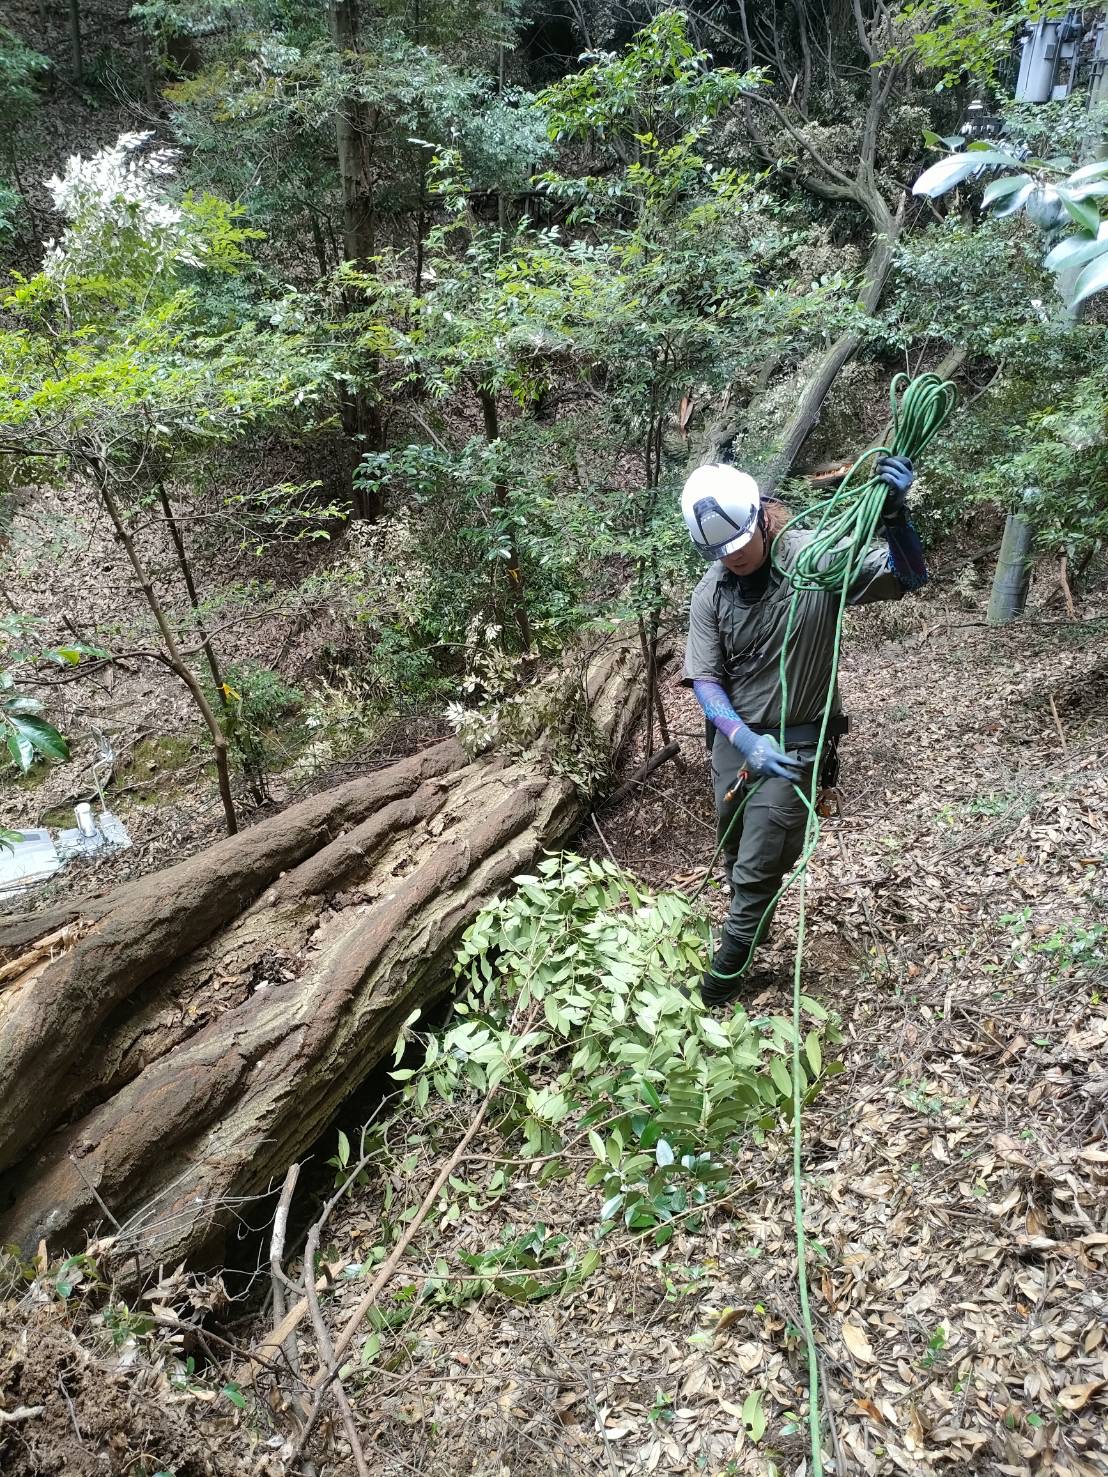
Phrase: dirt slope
(957,1171)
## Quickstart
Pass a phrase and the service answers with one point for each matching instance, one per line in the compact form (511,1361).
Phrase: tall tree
(356,131)
(787,140)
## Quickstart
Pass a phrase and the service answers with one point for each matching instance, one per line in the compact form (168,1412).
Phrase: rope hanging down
(843,528)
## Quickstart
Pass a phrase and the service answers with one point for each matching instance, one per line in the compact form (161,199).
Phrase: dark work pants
(764,845)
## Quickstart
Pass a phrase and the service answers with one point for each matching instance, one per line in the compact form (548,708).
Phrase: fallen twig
(72,1410)
(609,1454)
(841,1467)
(288,1324)
(276,1259)
(670,751)
(327,1353)
(604,839)
(1057,722)
(354,1322)
(1064,585)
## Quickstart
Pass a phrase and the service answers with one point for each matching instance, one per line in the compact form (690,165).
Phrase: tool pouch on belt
(830,765)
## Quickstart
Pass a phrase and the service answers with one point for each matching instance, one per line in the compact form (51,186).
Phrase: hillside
(954,1185)
(386,393)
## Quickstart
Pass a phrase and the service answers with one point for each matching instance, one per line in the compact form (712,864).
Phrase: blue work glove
(764,757)
(898,474)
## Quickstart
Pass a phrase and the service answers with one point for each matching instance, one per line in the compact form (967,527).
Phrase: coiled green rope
(842,528)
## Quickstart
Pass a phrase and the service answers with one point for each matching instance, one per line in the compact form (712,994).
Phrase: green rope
(843,529)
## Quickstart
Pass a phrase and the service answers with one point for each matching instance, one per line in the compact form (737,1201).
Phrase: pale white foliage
(490,681)
(116,201)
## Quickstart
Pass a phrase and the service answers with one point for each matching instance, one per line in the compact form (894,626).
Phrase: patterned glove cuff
(906,553)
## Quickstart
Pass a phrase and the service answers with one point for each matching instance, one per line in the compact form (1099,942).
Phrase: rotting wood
(209,1021)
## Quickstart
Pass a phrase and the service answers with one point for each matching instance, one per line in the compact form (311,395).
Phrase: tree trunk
(826,180)
(190,586)
(517,594)
(76,58)
(149,72)
(1013,572)
(805,417)
(170,1048)
(355,130)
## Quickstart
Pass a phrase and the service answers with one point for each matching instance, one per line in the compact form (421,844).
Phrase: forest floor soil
(956,1172)
(956,1187)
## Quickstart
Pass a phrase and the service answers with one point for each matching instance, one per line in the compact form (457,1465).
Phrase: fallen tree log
(178,1042)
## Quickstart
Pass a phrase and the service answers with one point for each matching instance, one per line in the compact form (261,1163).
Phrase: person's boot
(727,977)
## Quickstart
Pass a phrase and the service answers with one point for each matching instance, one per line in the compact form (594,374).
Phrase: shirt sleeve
(703,651)
(876,579)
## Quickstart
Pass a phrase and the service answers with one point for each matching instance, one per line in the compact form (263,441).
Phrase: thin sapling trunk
(517,593)
(173,651)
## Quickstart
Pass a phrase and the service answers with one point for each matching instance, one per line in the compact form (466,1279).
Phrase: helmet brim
(712,552)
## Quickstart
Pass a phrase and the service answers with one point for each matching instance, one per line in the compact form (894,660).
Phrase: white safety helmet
(720,506)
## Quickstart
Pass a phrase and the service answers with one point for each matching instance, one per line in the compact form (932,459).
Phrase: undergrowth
(578,1016)
(574,1030)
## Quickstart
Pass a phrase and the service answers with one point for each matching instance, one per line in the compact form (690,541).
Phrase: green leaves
(1093,279)
(1045,199)
(27,736)
(1075,251)
(524,1268)
(944,175)
(659,84)
(754,1416)
(999,189)
(603,961)
(813,1051)
(1085,214)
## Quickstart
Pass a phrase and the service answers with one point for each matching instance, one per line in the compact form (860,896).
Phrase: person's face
(749,558)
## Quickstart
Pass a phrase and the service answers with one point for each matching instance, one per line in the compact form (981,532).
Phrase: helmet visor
(717,534)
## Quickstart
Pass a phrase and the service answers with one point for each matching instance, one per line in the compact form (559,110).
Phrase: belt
(805,733)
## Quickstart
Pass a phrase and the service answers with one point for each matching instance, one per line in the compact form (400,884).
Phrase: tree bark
(1012,575)
(188,1036)
(355,130)
(353,136)
(190,586)
(76,57)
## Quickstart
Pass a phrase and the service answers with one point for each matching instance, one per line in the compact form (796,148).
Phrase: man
(732,662)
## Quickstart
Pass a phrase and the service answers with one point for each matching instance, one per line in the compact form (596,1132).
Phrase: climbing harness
(842,528)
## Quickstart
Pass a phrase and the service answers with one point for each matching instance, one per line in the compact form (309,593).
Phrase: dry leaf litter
(956,1174)
(956,1184)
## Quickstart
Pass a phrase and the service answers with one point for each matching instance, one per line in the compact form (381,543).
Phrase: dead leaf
(867,1408)
(1073,1397)
(856,1340)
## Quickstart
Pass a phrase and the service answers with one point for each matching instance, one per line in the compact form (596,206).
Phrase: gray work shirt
(739,645)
